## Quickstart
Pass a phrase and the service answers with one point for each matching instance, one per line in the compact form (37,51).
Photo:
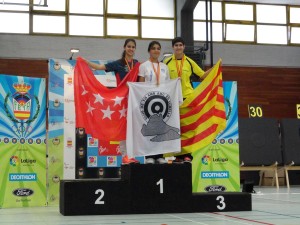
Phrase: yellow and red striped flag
(202,114)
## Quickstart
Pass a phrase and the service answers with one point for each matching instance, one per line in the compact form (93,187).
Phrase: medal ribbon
(129,67)
(157,72)
(179,70)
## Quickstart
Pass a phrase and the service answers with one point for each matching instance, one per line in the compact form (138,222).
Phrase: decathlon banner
(22,141)
(216,166)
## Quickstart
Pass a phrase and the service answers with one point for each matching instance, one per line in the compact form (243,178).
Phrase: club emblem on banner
(22,109)
(156,109)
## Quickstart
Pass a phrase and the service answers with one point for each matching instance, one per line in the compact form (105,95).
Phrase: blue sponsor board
(22,177)
(214,174)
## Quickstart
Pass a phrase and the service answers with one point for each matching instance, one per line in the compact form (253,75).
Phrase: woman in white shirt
(155,72)
(152,70)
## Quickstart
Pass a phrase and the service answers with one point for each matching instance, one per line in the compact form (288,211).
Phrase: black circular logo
(156,103)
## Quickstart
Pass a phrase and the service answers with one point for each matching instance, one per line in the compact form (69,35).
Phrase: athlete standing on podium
(182,66)
(153,71)
(120,67)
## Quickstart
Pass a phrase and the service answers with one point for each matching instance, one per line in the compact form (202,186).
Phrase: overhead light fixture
(73,50)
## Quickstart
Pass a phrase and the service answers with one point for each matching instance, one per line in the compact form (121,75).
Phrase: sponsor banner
(22,141)
(69,127)
(216,166)
(61,123)
(58,69)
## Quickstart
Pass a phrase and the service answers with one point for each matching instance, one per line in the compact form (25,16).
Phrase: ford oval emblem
(215,188)
(23,192)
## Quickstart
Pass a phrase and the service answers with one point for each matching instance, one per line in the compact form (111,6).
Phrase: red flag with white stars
(100,110)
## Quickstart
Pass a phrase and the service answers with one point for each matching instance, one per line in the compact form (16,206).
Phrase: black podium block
(221,201)
(159,188)
(165,188)
(94,197)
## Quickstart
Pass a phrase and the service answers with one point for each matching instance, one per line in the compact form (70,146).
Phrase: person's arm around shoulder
(95,65)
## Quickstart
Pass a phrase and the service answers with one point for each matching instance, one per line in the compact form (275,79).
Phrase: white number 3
(222,204)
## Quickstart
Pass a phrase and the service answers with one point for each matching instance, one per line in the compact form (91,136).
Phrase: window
(86,7)
(162,28)
(268,34)
(86,18)
(157,19)
(239,22)
(200,31)
(276,33)
(53,5)
(200,21)
(271,14)
(14,23)
(158,8)
(295,35)
(49,24)
(236,32)
(239,12)
(86,25)
(232,21)
(122,7)
(200,11)
(122,27)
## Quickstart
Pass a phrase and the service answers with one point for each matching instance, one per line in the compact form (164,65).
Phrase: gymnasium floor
(269,206)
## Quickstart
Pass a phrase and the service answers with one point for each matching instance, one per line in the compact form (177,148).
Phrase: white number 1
(161,183)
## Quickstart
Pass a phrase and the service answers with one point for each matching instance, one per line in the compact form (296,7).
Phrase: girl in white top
(152,70)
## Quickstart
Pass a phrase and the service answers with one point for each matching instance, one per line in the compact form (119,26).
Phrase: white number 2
(222,203)
(161,185)
(98,200)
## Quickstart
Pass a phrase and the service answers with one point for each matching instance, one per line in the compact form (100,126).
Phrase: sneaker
(161,161)
(149,161)
(178,160)
(187,160)
(126,160)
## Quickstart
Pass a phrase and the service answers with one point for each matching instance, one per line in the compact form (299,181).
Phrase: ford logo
(23,192)
(215,188)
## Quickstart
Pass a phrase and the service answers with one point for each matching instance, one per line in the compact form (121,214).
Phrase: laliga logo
(14,160)
(206,160)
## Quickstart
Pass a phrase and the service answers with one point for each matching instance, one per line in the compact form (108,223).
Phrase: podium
(146,188)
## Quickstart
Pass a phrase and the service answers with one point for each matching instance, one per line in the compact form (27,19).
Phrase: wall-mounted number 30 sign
(255,111)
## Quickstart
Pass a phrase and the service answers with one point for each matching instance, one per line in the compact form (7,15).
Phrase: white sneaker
(149,161)
(161,161)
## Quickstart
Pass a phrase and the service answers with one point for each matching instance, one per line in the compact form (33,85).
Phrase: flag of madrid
(100,110)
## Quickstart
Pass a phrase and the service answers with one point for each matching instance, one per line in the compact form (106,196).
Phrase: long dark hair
(125,43)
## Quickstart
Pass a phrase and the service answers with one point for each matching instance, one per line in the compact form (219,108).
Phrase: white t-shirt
(146,70)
